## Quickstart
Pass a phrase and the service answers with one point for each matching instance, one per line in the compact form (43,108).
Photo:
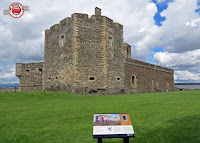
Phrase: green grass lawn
(57,117)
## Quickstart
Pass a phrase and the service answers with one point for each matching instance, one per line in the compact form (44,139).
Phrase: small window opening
(56,77)
(40,71)
(110,42)
(62,40)
(91,78)
(133,79)
(118,78)
(27,71)
(167,84)
(127,51)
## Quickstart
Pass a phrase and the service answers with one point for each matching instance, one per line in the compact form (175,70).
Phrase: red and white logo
(16,10)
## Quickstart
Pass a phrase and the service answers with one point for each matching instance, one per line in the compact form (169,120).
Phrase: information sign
(112,126)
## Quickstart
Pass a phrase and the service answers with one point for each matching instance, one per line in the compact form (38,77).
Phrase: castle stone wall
(58,56)
(145,77)
(30,76)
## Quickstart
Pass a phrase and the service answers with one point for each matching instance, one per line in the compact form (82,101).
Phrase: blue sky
(163,32)
(162,6)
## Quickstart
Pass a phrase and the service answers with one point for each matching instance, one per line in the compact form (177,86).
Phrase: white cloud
(7,74)
(173,60)
(186,65)
(194,23)
(186,76)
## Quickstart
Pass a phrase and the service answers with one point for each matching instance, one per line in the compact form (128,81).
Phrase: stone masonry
(85,55)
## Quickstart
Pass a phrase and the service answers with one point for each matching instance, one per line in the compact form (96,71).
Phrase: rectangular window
(110,42)
(133,79)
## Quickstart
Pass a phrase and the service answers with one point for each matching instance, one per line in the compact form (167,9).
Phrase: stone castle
(85,55)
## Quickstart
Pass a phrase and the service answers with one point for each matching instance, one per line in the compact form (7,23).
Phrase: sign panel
(112,125)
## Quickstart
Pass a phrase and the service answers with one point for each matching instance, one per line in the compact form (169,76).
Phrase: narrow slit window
(133,79)
(62,40)
(110,41)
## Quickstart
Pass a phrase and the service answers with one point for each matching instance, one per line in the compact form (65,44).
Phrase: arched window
(133,80)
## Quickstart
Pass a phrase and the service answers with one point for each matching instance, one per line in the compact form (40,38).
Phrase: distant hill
(9,85)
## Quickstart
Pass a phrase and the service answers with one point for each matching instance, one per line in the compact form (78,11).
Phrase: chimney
(97,11)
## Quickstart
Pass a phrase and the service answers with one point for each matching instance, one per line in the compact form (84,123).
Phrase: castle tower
(84,55)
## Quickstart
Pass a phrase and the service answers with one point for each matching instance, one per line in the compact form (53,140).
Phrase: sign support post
(125,140)
(99,140)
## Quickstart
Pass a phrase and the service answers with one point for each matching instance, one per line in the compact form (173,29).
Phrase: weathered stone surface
(30,76)
(85,55)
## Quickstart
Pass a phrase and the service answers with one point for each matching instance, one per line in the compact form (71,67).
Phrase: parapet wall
(145,77)
(148,65)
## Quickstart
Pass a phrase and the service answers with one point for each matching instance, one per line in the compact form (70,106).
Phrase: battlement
(29,64)
(85,17)
(22,67)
